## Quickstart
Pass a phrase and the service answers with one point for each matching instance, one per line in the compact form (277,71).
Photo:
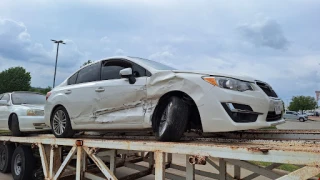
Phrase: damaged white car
(129,93)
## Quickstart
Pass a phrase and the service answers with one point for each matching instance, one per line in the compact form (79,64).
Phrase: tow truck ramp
(99,157)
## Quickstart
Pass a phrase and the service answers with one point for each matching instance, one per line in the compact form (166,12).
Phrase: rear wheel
(23,163)
(60,123)
(6,151)
(14,126)
(171,118)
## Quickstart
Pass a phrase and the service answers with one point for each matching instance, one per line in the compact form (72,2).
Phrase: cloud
(136,39)
(266,33)
(105,39)
(119,52)
(16,44)
(165,55)
(14,39)
(17,48)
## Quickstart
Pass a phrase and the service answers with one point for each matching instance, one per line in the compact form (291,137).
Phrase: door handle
(100,89)
(68,92)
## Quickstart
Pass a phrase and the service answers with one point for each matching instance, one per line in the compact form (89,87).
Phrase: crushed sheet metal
(124,107)
(158,84)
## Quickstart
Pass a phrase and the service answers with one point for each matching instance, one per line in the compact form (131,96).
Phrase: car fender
(167,81)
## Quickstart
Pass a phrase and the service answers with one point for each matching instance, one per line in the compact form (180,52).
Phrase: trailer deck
(107,152)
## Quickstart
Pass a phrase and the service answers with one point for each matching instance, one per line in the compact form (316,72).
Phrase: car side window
(89,74)
(138,71)
(6,97)
(1,96)
(289,113)
(73,79)
(110,69)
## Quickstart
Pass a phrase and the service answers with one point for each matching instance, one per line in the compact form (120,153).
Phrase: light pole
(55,69)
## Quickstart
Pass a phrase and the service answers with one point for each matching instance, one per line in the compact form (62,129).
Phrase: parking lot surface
(307,125)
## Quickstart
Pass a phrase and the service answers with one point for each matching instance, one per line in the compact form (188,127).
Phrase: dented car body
(127,93)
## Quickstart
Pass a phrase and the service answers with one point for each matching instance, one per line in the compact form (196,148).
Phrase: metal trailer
(99,157)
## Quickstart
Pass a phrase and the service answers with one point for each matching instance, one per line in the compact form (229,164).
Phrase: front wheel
(15,127)
(60,123)
(301,119)
(171,119)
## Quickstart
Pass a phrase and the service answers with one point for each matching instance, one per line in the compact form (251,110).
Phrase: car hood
(33,106)
(243,78)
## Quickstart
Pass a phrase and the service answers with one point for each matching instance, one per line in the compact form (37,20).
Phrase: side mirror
(4,103)
(127,73)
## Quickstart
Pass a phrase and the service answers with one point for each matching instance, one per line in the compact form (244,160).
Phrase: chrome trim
(232,109)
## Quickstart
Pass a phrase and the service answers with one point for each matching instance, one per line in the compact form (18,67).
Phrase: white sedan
(22,112)
(129,93)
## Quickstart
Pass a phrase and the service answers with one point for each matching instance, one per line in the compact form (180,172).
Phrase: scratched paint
(137,103)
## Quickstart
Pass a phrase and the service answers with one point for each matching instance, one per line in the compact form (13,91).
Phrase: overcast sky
(274,41)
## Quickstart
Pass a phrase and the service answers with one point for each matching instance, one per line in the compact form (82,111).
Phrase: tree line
(18,79)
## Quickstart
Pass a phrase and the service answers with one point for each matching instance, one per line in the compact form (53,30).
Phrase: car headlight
(229,83)
(35,112)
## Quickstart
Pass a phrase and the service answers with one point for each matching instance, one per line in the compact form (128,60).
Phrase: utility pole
(55,69)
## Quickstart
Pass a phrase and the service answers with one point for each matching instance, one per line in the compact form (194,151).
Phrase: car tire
(61,114)
(6,152)
(23,163)
(14,127)
(301,119)
(171,119)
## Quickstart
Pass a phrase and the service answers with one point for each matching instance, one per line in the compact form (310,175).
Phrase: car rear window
(28,98)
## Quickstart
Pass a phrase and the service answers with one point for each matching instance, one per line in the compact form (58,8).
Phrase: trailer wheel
(6,151)
(23,163)
(172,118)
(60,123)
(14,126)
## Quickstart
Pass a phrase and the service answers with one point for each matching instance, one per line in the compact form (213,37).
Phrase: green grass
(4,132)
(285,167)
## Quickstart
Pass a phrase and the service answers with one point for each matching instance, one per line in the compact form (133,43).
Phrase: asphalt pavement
(295,124)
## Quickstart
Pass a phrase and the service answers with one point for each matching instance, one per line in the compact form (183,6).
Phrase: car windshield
(154,64)
(28,98)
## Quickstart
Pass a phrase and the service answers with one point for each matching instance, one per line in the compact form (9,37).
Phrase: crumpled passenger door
(121,102)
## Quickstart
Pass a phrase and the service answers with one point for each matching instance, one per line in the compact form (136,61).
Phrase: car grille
(241,117)
(272,116)
(266,89)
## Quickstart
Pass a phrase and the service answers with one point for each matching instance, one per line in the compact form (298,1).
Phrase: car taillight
(48,95)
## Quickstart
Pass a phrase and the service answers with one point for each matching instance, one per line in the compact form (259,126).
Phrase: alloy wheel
(59,122)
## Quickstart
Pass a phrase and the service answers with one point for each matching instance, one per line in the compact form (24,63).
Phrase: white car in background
(22,112)
(292,115)
(129,93)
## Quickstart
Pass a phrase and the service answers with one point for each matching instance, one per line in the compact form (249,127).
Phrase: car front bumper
(32,123)
(215,117)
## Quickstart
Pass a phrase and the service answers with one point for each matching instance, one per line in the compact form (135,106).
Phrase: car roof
(29,92)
